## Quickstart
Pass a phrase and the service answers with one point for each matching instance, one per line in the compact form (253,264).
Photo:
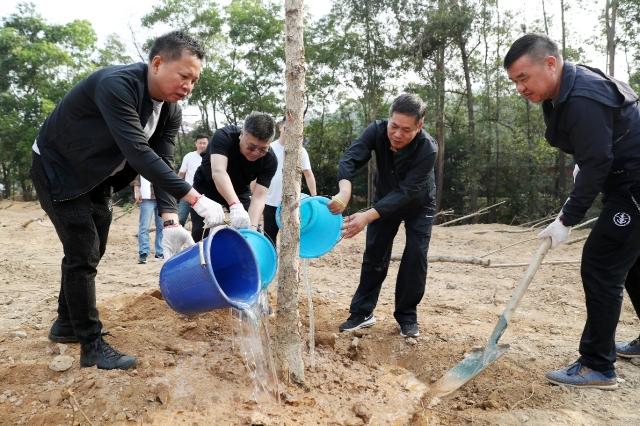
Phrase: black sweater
(98,125)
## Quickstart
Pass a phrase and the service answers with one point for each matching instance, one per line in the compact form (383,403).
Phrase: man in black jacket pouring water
(405,192)
(118,122)
(595,118)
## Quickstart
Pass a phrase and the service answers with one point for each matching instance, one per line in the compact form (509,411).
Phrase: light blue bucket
(320,230)
(265,254)
(218,272)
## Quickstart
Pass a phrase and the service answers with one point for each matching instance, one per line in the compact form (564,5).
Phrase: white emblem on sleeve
(621,219)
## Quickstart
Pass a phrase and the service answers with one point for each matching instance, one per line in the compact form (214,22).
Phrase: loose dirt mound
(190,373)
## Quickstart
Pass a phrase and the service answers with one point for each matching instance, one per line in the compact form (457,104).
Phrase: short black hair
(171,45)
(409,104)
(537,46)
(202,136)
(260,124)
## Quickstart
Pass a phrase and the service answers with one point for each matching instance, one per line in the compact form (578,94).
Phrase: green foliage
(358,58)
(39,62)
(243,67)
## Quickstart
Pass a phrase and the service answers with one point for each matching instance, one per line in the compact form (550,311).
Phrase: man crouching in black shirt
(235,158)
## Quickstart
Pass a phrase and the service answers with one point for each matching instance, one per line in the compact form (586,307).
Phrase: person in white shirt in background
(190,164)
(145,198)
(274,196)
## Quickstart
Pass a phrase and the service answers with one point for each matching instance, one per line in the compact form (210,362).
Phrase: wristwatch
(169,222)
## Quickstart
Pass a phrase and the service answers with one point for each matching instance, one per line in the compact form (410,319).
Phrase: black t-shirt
(226,141)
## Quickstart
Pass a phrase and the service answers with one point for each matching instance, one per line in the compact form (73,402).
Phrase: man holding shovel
(118,122)
(596,118)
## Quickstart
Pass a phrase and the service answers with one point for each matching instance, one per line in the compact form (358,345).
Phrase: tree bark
(471,129)
(562,158)
(611,13)
(288,341)
(440,87)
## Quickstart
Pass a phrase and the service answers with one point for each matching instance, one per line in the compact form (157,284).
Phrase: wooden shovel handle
(536,260)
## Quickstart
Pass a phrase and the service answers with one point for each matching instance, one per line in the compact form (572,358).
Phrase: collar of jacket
(584,81)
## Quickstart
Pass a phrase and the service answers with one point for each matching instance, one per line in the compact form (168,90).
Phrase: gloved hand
(239,216)
(210,211)
(576,170)
(557,231)
(174,239)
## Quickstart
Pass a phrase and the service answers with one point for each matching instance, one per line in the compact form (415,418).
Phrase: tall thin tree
(287,337)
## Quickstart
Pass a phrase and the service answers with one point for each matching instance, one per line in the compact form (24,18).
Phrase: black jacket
(596,119)
(404,179)
(98,125)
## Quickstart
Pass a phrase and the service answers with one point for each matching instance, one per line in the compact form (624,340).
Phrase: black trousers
(412,275)
(270,226)
(82,225)
(610,263)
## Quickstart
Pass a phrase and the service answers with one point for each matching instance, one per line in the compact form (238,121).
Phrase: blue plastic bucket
(265,254)
(218,272)
(320,230)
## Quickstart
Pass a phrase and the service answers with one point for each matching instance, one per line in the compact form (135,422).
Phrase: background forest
(359,56)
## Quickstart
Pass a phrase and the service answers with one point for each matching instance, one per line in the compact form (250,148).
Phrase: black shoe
(409,329)
(356,321)
(102,355)
(158,258)
(62,332)
(142,259)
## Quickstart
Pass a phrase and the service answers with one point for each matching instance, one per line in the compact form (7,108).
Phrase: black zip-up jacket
(596,118)
(404,179)
(98,125)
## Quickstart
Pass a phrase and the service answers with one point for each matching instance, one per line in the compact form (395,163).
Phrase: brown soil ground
(188,372)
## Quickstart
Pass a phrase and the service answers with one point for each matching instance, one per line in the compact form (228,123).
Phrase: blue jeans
(183,211)
(148,208)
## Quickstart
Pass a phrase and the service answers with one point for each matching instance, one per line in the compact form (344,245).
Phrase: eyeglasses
(261,150)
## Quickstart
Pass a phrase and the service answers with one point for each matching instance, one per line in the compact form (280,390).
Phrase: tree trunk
(440,87)
(471,129)
(287,337)
(562,157)
(610,15)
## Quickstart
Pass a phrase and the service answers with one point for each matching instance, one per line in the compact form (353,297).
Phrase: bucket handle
(201,250)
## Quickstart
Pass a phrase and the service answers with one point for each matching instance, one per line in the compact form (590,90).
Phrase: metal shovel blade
(477,360)
(472,365)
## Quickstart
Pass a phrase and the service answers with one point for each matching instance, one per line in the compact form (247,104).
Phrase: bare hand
(354,224)
(337,204)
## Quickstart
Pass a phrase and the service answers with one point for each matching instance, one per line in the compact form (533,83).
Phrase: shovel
(479,359)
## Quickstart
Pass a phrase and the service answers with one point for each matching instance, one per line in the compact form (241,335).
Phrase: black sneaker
(102,355)
(409,329)
(629,350)
(62,332)
(142,259)
(158,258)
(356,321)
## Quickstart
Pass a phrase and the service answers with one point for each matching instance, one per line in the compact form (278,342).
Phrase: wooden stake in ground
(479,212)
(287,339)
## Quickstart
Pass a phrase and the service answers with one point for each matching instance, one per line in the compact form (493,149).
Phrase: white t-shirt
(145,189)
(190,164)
(274,196)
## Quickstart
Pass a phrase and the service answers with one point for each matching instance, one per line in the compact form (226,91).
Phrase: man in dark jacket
(596,119)
(405,192)
(118,122)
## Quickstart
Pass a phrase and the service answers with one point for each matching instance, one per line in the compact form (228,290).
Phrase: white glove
(239,216)
(210,211)
(576,170)
(557,231)
(174,239)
